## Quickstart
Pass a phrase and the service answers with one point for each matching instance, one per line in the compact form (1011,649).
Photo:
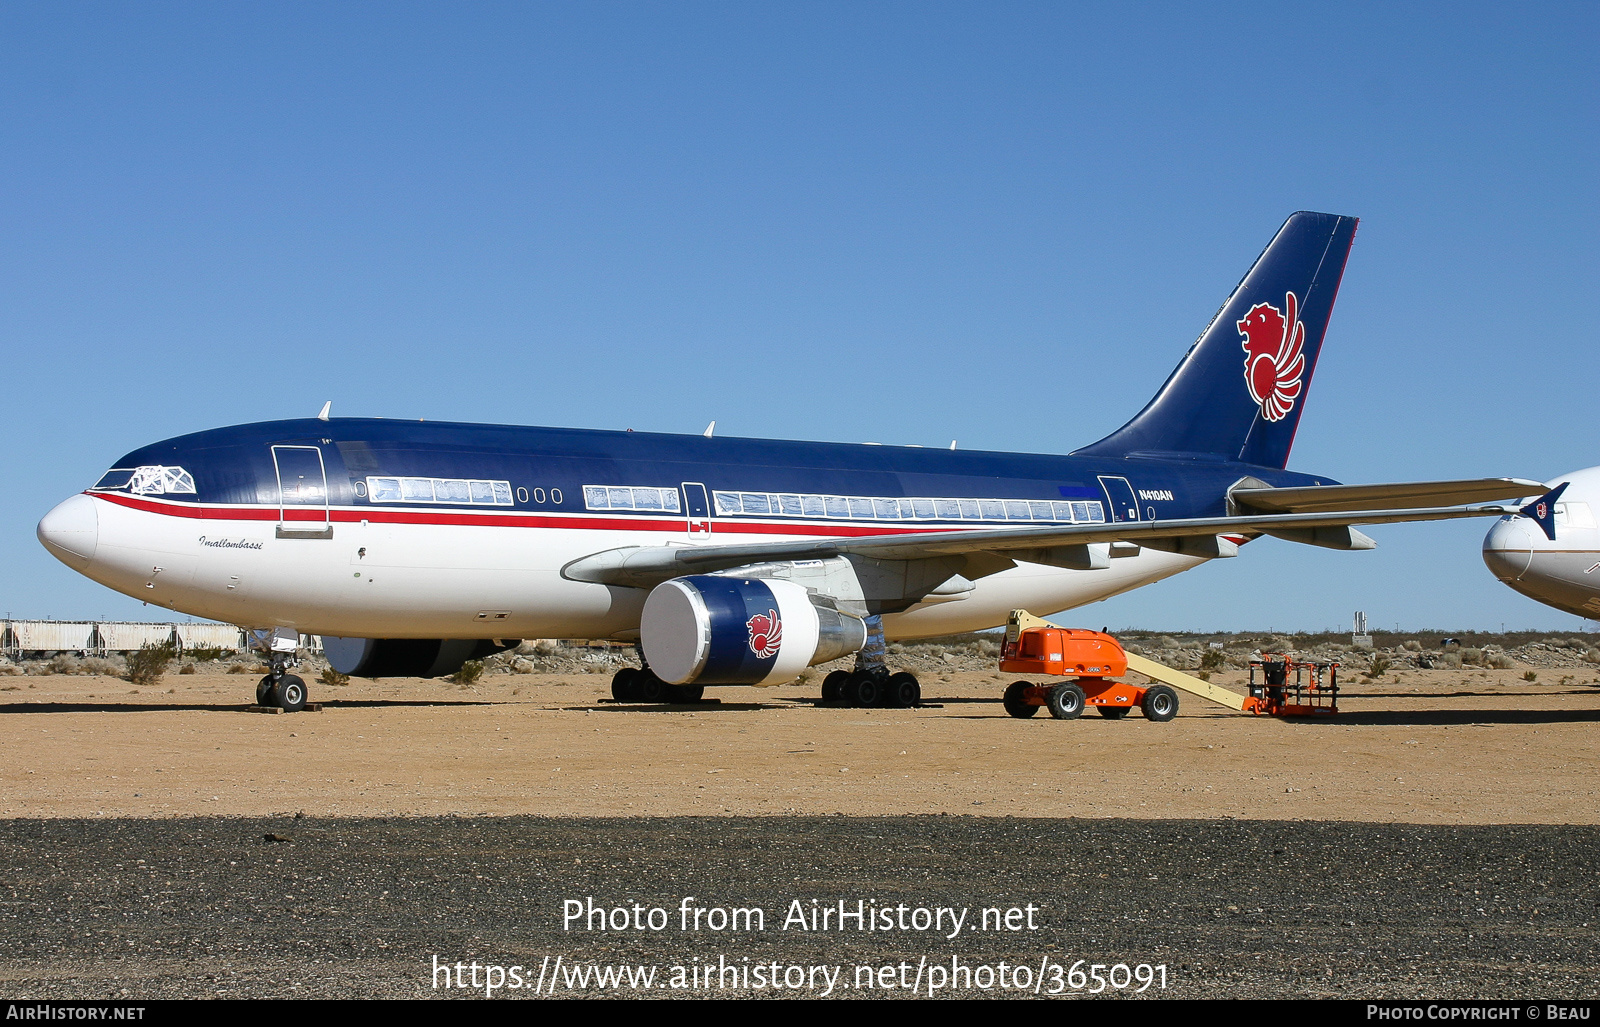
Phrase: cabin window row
(864,508)
(468,491)
(627,497)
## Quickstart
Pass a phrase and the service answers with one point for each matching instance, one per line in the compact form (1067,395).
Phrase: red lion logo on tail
(1273,361)
(766,634)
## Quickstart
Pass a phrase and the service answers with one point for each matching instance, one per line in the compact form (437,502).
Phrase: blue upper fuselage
(547,470)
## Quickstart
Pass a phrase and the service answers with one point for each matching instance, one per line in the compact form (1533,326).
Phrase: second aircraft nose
(71,531)
(1508,548)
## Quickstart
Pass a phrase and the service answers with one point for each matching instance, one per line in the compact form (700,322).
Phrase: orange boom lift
(1092,660)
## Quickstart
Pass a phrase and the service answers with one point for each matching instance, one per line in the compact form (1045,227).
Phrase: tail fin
(1239,391)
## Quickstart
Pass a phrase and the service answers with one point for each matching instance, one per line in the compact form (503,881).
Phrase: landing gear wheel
(290,693)
(834,684)
(1066,702)
(649,688)
(623,685)
(865,690)
(685,693)
(264,691)
(1113,712)
(1160,703)
(903,690)
(1016,704)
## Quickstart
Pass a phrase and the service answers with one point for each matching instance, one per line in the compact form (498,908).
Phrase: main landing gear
(639,684)
(871,683)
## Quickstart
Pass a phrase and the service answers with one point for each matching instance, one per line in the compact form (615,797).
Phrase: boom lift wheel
(834,684)
(903,690)
(290,693)
(1016,704)
(1066,701)
(1160,703)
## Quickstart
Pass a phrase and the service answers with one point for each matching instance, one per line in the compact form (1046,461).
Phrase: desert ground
(1433,840)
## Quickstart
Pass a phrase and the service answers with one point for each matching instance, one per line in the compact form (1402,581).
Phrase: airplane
(1561,572)
(411,547)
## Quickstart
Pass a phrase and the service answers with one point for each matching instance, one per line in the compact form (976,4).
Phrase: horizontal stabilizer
(1395,496)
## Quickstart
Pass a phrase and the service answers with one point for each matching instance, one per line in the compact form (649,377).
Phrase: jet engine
(708,629)
(408,657)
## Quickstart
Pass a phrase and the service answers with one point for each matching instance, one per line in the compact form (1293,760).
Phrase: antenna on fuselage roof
(325,408)
(952,443)
(709,429)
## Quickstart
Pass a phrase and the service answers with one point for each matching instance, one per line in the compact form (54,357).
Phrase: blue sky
(852,222)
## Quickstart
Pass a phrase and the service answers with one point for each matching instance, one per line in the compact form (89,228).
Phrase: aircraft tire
(1113,712)
(685,693)
(904,691)
(1160,704)
(622,685)
(834,684)
(649,688)
(290,693)
(1016,705)
(264,691)
(865,690)
(1066,702)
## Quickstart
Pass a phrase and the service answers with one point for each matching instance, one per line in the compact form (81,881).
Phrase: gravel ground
(359,907)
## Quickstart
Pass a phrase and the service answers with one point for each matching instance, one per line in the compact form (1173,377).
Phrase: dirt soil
(1462,746)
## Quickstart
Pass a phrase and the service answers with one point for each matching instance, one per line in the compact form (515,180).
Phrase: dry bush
(146,666)
(1452,660)
(1500,661)
(470,672)
(333,678)
(208,653)
(1472,657)
(1592,656)
(1413,646)
(1530,675)
(187,668)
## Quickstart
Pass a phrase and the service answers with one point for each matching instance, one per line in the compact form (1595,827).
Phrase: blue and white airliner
(412,547)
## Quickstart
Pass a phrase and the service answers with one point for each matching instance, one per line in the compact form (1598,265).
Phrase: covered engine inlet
(712,630)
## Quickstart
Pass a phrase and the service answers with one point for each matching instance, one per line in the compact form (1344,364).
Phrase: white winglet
(325,408)
(709,429)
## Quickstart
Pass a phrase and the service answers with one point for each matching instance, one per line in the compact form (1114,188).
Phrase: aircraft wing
(1394,496)
(1061,545)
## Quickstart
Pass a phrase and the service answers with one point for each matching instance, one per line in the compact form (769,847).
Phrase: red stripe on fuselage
(383,515)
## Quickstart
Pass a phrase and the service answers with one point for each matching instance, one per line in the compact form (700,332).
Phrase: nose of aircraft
(1508,548)
(72,530)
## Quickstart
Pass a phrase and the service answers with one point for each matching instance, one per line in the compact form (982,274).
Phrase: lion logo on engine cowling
(766,634)
(1274,362)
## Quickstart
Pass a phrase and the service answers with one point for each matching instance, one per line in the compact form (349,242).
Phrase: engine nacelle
(408,657)
(712,630)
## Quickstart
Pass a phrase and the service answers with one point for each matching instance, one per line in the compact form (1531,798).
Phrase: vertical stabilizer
(1239,391)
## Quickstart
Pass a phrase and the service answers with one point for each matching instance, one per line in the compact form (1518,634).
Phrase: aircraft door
(302,492)
(1124,507)
(698,509)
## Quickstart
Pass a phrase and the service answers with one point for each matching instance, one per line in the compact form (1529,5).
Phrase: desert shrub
(546,646)
(61,663)
(1413,646)
(1530,675)
(1452,660)
(146,666)
(333,678)
(1380,664)
(238,668)
(187,668)
(470,672)
(1472,657)
(1212,659)
(1500,661)
(1592,656)
(207,653)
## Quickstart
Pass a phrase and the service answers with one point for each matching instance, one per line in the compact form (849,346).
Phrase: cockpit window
(148,480)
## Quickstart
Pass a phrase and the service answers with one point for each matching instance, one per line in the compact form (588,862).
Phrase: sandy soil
(1432,747)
